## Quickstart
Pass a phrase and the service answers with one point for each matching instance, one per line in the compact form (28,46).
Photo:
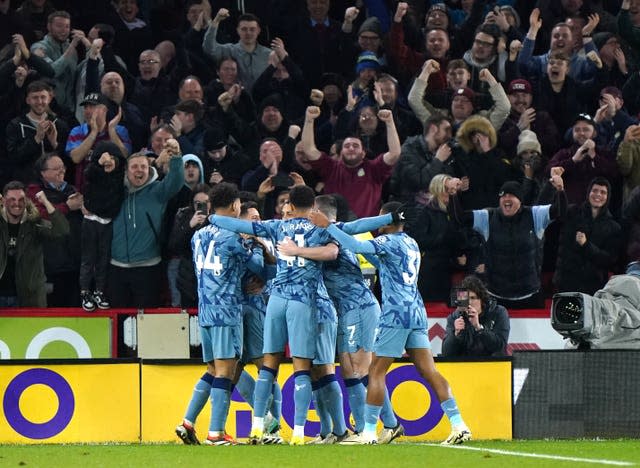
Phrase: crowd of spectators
(510,126)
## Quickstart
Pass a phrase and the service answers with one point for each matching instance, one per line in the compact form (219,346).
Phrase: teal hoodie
(192,157)
(137,227)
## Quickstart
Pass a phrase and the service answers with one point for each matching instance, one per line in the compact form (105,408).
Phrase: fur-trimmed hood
(31,213)
(475,123)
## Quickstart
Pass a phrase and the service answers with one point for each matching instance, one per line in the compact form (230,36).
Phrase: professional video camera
(608,319)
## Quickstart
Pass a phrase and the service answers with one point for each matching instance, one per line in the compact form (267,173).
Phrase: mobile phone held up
(201,206)
(282,181)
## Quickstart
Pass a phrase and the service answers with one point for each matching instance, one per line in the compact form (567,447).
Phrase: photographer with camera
(478,326)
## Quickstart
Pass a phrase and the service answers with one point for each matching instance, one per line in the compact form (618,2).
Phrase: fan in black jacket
(590,242)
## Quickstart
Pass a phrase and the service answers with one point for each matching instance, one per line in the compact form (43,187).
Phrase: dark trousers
(96,252)
(65,292)
(135,287)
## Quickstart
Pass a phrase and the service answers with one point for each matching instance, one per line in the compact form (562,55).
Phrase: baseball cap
(438,7)
(466,92)
(95,99)
(586,118)
(519,86)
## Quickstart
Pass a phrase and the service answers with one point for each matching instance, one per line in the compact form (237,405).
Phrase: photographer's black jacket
(490,341)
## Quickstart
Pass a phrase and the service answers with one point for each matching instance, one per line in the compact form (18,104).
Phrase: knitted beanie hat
(528,141)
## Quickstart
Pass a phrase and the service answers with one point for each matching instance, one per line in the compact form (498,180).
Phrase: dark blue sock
(333,399)
(357,394)
(220,401)
(199,398)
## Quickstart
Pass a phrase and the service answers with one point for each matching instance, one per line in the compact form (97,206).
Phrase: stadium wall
(71,333)
(114,401)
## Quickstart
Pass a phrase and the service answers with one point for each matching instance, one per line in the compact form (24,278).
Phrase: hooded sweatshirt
(137,227)
(192,157)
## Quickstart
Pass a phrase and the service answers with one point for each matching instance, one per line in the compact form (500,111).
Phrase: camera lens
(568,311)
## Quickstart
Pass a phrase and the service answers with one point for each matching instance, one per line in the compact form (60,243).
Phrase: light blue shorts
(391,342)
(357,329)
(221,342)
(326,343)
(292,321)
(253,336)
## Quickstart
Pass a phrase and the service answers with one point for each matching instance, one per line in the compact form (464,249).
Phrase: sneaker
(317,440)
(388,434)
(273,438)
(458,435)
(187,434)
(359,439)
(297,440)
(88,302)
(222,439)
(335,439)
(255,437)
(100,300)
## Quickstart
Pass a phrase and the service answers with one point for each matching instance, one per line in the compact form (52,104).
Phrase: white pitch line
(536,455)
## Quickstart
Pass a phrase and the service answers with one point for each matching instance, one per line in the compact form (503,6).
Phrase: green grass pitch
(519,454)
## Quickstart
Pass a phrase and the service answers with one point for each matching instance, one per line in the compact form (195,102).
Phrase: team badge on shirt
(360,172)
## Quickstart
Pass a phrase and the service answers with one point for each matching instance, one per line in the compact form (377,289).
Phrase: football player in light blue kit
(220,260)
(291,310)
(403,322)
(254,308)
(358,314)
(326,390)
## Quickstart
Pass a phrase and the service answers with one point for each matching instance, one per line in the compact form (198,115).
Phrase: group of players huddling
(318,302)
